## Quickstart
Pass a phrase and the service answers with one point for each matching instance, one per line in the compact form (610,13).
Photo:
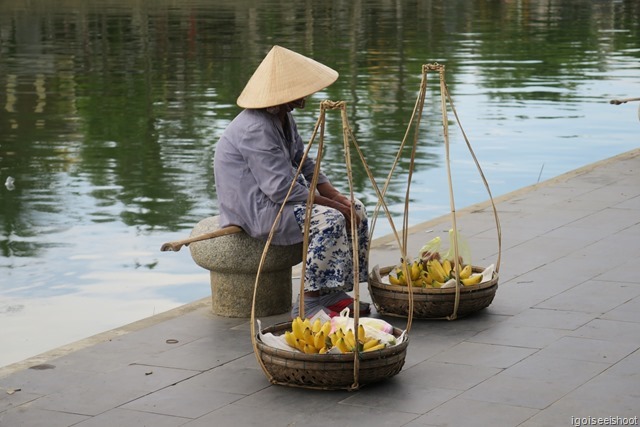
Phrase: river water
(110,112)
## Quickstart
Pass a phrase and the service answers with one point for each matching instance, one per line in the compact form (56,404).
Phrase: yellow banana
(326,328)
(319,340)
(323,350)
(436,284)
(402,280)
(426,278)
(446,267)
(435,270)
(466,272)
(342,346)
(473,280)
(361,333)
(376,347)
(369,344)
(315,327)
(394,280)
(415,270)
(308,337)
(306,323)
(334,339)
(297,329)
(300,344)
(350,340)
(309,349)
(401,277)
(290,339)
(438,266)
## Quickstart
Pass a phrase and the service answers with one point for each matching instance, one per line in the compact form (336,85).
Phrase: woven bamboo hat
(284,76)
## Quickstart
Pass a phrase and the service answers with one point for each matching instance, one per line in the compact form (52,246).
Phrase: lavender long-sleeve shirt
(255,162)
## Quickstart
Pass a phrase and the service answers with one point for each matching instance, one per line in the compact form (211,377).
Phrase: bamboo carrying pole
(175,246)
(623,101)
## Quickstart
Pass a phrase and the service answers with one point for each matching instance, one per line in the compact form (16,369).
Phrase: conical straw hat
(284,76)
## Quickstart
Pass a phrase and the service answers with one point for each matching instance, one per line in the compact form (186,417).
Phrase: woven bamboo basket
(329,371)
(431,303)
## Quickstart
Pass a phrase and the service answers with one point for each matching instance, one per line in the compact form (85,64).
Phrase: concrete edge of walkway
(104,336)
(203,302)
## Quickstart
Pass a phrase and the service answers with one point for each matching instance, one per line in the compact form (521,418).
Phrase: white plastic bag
(464,251)
(275,341)
(487,273)
(376,328)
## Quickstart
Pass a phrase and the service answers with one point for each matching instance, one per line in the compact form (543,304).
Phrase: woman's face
(298,103)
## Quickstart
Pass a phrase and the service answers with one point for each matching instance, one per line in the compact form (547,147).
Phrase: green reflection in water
(110,110)
(129,97)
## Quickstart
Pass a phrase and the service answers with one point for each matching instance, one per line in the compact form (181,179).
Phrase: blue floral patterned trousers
(329,261)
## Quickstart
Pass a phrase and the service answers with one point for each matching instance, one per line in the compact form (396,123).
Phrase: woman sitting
(255,162)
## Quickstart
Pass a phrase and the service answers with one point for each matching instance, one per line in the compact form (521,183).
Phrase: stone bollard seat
(233,262)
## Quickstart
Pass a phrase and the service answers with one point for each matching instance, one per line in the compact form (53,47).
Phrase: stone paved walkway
(560,341)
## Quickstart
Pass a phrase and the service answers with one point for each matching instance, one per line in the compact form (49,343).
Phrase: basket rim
(420,290)
(344,357)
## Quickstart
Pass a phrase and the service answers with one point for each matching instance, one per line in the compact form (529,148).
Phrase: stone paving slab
(560,339)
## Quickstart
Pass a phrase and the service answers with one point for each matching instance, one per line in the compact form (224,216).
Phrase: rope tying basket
(368,361)
(427,302)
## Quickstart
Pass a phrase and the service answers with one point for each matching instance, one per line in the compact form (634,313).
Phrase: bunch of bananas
(444,271)
(432,273)
(317,338)
(418,276)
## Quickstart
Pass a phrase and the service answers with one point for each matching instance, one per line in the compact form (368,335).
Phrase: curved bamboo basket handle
(484,180)
(444,97)
(416,113)
(416,117)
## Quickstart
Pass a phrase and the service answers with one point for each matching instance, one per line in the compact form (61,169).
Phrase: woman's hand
(329,191)
(335,200)
(342,200)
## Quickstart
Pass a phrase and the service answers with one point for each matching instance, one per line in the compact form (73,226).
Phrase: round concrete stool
(233,262)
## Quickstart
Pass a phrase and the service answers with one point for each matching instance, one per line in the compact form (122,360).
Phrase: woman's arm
(332,198)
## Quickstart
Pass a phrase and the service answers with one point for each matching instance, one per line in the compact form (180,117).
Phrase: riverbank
(559,341)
